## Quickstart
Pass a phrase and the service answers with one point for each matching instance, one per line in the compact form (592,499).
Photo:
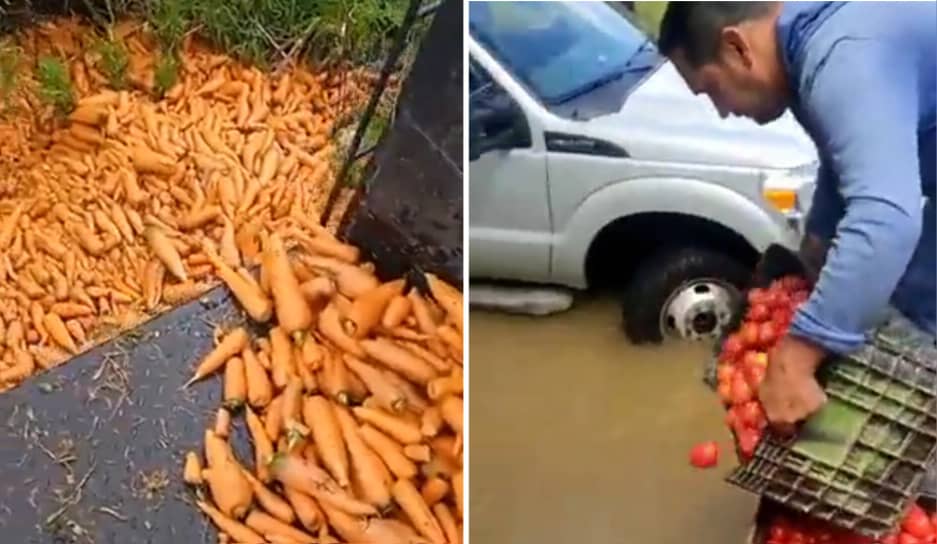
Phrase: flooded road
(579,437)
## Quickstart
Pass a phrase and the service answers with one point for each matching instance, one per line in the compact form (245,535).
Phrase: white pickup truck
(591,162)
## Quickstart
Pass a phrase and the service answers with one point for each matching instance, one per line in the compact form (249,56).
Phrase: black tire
(660,275)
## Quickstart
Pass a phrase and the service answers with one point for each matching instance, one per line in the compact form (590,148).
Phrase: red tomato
(732,418)
(725,393)
(748,441)
(781,317)
(751,414)
(907,538)
(754,375)
(758,313)
(767,334)
(755,358)
(890,539)
(704,455)
(778,531)
(916,523)
(756,296)
(782,301)
(732,347)
(740,391)
(799,297)
(749,334)
(725,372)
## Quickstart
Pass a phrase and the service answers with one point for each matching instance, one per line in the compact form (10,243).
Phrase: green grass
(166,72)
(55,85)
(113,62)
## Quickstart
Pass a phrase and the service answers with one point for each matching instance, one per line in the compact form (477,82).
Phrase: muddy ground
(578,436)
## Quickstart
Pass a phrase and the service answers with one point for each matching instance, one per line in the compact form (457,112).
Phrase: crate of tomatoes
(858,463)
(775,524)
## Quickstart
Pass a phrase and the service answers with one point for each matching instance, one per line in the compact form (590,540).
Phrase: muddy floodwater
(579,437)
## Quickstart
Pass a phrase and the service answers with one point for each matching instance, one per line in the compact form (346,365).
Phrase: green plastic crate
(859,462)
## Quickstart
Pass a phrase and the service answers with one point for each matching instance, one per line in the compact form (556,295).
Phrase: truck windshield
(561,50)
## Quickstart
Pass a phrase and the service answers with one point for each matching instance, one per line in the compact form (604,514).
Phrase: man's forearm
(813,250)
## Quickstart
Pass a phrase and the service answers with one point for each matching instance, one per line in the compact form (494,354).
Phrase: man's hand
(790,392)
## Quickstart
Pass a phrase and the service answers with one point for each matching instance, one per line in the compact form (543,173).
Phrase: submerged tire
(703,284)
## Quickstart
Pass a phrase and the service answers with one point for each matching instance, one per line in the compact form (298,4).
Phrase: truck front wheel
(683,294)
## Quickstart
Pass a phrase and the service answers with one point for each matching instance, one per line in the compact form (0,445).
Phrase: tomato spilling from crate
(744,357)
(916,528)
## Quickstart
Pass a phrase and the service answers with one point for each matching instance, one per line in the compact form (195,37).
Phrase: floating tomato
(705,455)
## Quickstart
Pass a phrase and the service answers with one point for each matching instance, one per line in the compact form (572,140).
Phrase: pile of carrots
(110,213)
(352,400)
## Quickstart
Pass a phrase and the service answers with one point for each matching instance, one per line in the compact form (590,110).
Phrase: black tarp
(410,215)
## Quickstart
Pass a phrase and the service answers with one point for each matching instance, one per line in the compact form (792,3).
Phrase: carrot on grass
(320,416)
(408,497)
(232,344)
(240,532)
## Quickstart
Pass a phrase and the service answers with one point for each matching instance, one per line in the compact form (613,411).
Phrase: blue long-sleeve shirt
(863,79)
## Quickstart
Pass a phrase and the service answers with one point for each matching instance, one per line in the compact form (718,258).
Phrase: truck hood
(662,120)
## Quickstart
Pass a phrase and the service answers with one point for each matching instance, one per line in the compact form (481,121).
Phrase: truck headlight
(789,192)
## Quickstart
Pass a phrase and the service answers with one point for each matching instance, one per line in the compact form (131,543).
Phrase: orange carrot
(417,452)
(366,310)
(57,330)
(223,422)
(335,378)
(386,393)
(232,344)
(24,365)
(268,166)
(270,501)
(328,246)
(352,281)
(269,525)
(397,310)
(273,423)
(451,409)
(399,359)
(447,522)
(164,249)
(8,226)
(241,533)
(447,385)
(147,161)
(457,490)
(230,489)
(308,512)
(408,497)
(263,446)
(434,490)
(389,451)
(199,218)
(75,329)
(293,313)
(235,383)
(179,293)
(293,410)
(441,365)
(254,301)
(321,419)
(306,375)
(452,339)
(259,388)
(422,312)
(153,283)
(430,421)
(401,429)
(229,250)
(368,472)
(192,471)
(88,240)
(300,475)
(330,327)
(318,291)
(415,399)
(282,364)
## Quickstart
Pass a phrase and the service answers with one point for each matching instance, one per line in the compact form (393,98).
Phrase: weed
(113,62)
(170,20)
(166,73)
(9,66)
(55,85)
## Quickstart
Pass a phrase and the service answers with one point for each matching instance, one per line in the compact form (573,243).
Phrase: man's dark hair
(694,27)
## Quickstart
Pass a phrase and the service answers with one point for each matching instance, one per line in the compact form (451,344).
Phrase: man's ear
(734,47)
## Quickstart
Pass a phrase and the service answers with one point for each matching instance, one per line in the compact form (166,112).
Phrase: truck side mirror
(494,123)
